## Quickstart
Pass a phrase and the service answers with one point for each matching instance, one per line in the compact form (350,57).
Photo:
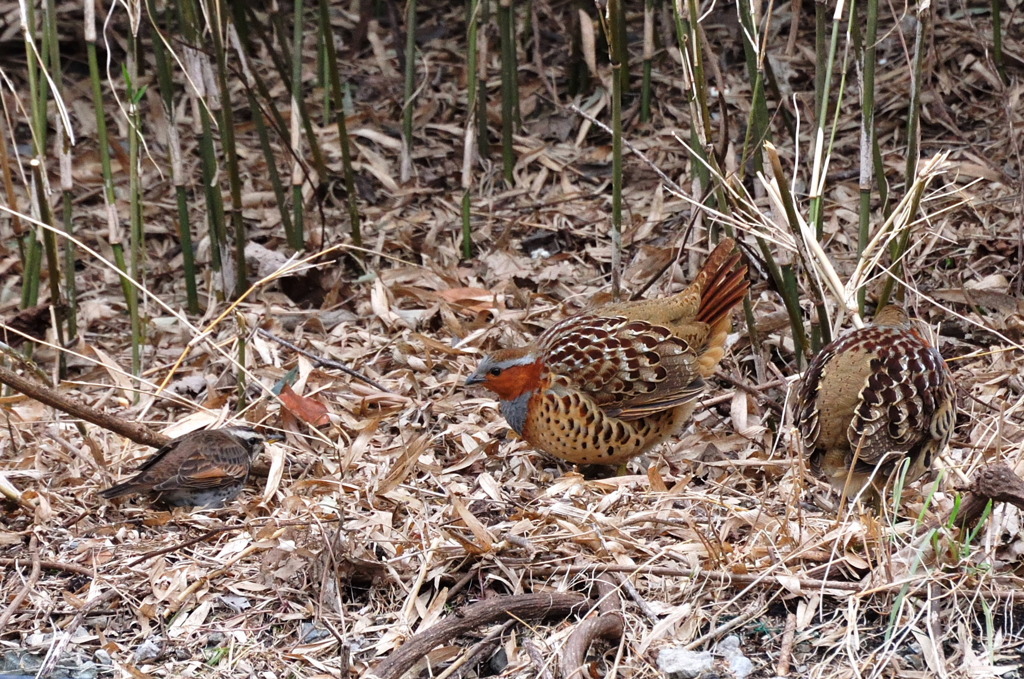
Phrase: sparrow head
(250,438)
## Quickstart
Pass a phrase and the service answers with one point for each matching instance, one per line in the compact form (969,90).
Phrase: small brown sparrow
(203,469)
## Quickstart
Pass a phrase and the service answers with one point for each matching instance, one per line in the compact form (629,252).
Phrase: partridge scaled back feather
(873,398)
(608,384)
(202,469)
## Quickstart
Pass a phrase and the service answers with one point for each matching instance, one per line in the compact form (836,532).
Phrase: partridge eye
(494,372)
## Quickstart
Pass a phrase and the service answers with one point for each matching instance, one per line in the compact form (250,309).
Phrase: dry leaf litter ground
(414,502)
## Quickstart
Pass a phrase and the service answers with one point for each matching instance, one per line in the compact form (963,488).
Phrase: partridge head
(873,399)
(610,383)
(204,468)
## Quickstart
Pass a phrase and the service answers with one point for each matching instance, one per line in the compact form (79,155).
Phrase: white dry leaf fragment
(275,454)
(681,663)
(265,350)
(92,311)
(790,583)
(190,388)
(995,281)
(118,375)
(490,486)
(377,166)
(292,566)
(200,419)
(186,625)
(150,649)
(263,261)
(236,603)
(233,547)
(739,665)
(738,411)
(380,304)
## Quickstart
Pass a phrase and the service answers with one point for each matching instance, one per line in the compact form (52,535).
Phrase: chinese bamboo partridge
(202,469)
(870,400)
(609,383)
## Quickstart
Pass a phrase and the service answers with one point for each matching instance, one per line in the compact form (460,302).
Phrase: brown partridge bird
(203,469)
(609,383)
(870,400)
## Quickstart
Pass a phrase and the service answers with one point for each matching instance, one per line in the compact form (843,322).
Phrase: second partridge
(608,384)
(873,398)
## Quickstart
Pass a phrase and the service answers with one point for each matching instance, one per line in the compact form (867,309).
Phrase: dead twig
(524,607)
(53,398)
(64,638)
(786,648)
(30,584)
(321,362)
(52,565)
(995,482)
(607,625)
(715,576)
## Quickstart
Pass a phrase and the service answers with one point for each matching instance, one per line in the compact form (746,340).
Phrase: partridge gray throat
(613,381)
(202,469)
(872,399)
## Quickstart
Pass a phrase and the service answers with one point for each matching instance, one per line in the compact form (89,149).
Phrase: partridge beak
(474,379)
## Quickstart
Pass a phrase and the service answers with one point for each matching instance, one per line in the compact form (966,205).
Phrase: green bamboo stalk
(166,85)
(103,142)
(686,36)
(699,81)
(32,257)
(38,88)
(616,51)
(137,234)
(273,175)
(298,207)
(619,48)
(509,88)
(51,48)
(410,88)
(578,73)
(38,96)
(97,98)
(900,244)
(225,114)
(189,20)
(820,332)
(483,141)
(997,41)
(869,141)
(67,219)
(334,79)
(816,211)
(52,258)
(821,58)
(758,121)
(472,91)
(648,58)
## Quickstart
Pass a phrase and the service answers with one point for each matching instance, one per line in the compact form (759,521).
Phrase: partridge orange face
(872,399)
(610,383)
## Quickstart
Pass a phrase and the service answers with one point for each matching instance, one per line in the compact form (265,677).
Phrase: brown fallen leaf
(304,408)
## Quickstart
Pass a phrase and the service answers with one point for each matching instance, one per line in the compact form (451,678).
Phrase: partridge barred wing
(631,368)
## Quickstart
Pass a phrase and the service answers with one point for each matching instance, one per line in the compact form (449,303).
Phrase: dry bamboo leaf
(306,409)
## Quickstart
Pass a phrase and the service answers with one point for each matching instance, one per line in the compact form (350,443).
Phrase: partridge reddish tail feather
(873,399)
(611,382)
